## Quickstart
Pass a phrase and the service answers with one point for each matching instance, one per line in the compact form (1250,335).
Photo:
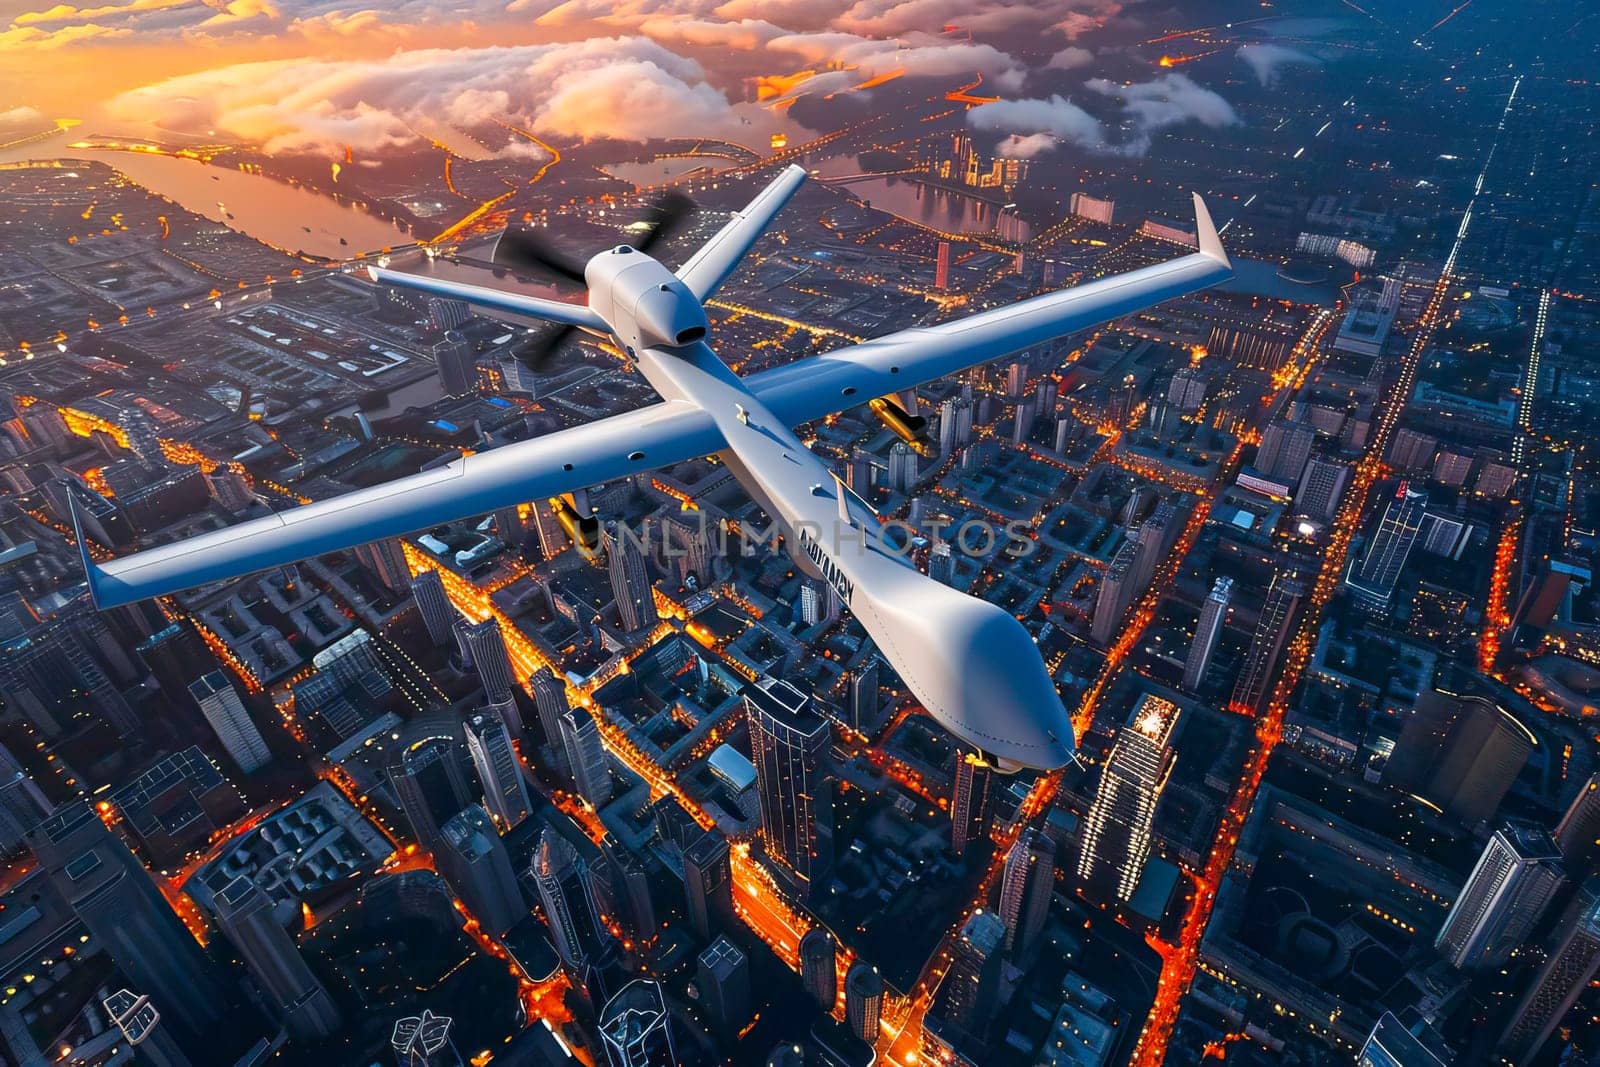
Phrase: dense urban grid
(1309,556)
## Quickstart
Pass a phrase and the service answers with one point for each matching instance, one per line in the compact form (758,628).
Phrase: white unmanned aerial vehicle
(969,662)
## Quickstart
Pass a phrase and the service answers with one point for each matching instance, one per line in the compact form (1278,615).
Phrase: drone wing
(556,463)
(813,388)
(715,260)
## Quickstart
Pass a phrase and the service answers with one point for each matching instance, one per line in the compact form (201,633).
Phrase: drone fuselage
(642,302)
(970,663)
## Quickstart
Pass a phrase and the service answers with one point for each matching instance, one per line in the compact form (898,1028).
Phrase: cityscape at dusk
(1203,665)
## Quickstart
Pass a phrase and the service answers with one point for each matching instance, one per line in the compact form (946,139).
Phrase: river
(285,216)
(937,208)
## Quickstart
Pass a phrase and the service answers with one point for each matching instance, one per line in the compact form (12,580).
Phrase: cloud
(1026,120)
(22,116)
(1266,60)
(35,39)
(746,35)
(112,12)
(1018,146)
(1171,100)
(624,87)
(1070,58)
(920,56)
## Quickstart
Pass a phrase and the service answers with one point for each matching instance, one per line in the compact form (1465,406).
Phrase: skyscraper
(457,364)
(123,910)
(473,859)
(386,561)
(1117,590)
(223,709)
(1115,840)
(967,996)
(630,580)
(863,1001)
(559,875)
(433,604)
(865,697)
(550,699)
(1567,972)
(245,914)
(819,966)
(505,794)
(1272,633)
(942,563)
(789,744)
(1207,634)
(586,755)
(1025,889)
(708,883)
(635,1028)
(1513,882)
(1285,449)
(493,664)
(1374,577)
(723,978)
(902,467)
(1390,1044)
(22,803)
(941,266)
(1459,751)
(969,807)
(1322,486)
(432,781)
(1577,835)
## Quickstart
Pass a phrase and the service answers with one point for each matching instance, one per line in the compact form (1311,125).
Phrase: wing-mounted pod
(912,429)
(581,525)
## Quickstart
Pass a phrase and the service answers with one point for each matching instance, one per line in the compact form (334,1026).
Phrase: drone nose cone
(668,314)
(1008,699)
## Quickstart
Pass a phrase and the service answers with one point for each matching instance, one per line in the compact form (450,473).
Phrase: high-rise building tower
(487,645)
(941,267)
(1373,578)
(1577,835)
(630,580)
(902,469)
(819,966)
(550,698)
(22,803)
(1117,590)
(708,884)
(505,794)
(863,1001)
(1115,840)
(723,978)
(865,697)
(136,1018)
(1461,752)
(1207,634)
(223,709)
(1025,889)
(424,1041)
(245,914)
(789,744)
(433,604)
(969,992)
(560,877)
(1285,450)
(1322,486)
(433,783)
(1391,1044)
(586,755)
(386,561)
(114,897)
(1569,969)
(635,1028)
(969,807)
(1272,633)
(942,563)
(457,364)
(1513,882)
(473,859)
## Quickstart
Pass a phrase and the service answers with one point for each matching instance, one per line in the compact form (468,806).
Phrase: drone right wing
(656,436)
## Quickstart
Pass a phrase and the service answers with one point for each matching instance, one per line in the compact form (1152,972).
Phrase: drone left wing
(556,463)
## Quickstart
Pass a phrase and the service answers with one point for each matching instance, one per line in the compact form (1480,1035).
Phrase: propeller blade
(524,251)
(664,218)
(536,354)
